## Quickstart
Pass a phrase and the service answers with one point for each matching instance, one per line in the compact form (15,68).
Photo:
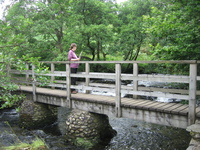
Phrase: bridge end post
(192,94)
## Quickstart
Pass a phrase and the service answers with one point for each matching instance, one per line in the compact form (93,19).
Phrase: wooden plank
(198,115)
(131,102)
(192,93)
(155,107)
(87,80)
(156,94)
(178,91)
(177,110)
(145,105)
(161,109)
(136,104)
(198,112)
(157,78)
(125,62)
(184,111)
(94,98)
(118,90)
(198,109)
(68,85)
(135,82)
(174,107)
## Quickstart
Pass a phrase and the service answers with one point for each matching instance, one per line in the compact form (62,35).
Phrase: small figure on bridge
(74,66)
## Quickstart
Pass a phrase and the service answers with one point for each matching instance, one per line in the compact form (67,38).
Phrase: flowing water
(131,134)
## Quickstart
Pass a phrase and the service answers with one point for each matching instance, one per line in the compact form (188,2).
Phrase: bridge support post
(192,94)
(87,80)
(34,83)
(118,111)
(68,82)
(135,82)
(27,73)
(52,77)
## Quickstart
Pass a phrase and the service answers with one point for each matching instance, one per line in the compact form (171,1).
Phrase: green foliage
(81,142)
(37,144)
(103,30)
(132,34)
(7,99)
(7,86)
(173,30)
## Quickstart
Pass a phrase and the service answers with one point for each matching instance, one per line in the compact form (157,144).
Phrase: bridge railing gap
(118,76)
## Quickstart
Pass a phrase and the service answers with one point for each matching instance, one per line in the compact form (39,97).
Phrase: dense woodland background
(103,29)
(32,30)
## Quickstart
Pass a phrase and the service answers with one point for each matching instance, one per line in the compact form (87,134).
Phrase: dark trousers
(73,80)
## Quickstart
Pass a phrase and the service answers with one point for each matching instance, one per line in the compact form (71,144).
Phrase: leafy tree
(95,22)
(173,30)
(45,22)
(132,35)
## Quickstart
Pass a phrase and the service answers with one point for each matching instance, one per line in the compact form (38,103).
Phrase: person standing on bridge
(74,66)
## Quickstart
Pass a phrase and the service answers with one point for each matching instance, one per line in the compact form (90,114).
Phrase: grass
(84,143)
(38,144)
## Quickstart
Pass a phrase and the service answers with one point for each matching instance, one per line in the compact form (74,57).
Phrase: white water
(140,83)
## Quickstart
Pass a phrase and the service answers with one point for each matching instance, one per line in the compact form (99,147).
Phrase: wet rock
(36,115)
(7,139)
(88,129)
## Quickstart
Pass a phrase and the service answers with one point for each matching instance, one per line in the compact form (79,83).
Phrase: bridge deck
(171,108)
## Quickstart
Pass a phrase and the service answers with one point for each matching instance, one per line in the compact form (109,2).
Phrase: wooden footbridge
(170,114)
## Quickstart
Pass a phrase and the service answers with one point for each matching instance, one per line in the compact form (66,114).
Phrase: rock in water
(87,129)
(35,115)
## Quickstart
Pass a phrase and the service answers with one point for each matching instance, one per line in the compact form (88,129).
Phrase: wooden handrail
(135,90)
(127,62)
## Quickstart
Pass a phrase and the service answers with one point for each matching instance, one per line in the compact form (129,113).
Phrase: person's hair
(73,45)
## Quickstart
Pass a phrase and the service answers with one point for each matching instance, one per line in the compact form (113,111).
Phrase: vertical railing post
(68,85)
(87,80)
(118,112)
(52,77)
(135,82)
(27,73)
(8,70)
(192,94)
(34,83)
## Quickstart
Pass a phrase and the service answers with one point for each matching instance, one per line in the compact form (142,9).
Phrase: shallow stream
(131,134)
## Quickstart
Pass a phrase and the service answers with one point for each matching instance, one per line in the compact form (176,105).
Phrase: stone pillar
(195,133)
(87,129)
(36,115)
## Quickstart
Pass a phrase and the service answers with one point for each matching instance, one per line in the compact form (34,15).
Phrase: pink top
(72,55)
